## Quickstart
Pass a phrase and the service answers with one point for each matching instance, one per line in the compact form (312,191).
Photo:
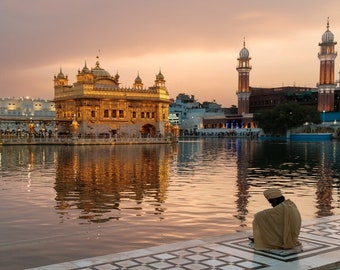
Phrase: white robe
(278,227)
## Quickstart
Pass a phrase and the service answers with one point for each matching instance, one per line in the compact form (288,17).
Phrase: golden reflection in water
(99,183)
(324,188)
(98,179)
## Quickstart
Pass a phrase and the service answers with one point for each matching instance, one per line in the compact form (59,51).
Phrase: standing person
(277,227)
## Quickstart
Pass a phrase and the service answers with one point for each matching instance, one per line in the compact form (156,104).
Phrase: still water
(61,203)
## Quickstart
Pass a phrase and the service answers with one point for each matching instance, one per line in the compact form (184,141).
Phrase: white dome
(327,37)
(244,53)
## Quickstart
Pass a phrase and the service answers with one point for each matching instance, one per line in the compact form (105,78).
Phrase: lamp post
(323,116)
(56,131)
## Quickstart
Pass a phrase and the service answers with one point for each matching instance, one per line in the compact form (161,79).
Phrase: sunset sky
(195,43)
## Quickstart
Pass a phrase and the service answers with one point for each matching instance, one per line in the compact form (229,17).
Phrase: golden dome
(99,72)
(138,80)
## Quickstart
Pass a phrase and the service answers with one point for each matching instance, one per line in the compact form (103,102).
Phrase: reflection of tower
(243,70)
(244,152)
(324,186)
(327,84)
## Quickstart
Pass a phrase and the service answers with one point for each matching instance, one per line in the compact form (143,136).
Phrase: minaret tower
(326,86)
(243,70)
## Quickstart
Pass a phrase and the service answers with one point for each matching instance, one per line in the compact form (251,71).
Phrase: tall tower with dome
(243,69)
(326,85)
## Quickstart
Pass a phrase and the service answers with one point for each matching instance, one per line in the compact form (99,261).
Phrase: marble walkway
(321,250)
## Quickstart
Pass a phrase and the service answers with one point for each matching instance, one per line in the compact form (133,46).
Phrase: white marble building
(16,114)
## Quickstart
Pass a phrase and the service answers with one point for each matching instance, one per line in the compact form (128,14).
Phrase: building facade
(191,115)
(325,96)
(26,116)
(96,105)
(267,98)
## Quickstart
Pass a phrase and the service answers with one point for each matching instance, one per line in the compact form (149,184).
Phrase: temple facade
(96,105)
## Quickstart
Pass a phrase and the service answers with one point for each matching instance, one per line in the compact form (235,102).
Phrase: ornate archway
(148,130)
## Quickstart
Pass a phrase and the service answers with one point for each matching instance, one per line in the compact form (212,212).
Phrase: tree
(286,116)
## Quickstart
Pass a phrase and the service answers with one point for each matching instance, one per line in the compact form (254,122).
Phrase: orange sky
(195,43)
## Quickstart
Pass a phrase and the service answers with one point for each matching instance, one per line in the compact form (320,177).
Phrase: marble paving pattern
(321,250)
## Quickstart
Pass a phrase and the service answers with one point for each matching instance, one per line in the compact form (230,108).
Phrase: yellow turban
(272,193)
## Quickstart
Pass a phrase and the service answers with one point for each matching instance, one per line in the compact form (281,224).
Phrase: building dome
(117,77)
(159,76)
(60,75)
(99,72)
(85,69)
(138,80)
(328,35)
(244,53)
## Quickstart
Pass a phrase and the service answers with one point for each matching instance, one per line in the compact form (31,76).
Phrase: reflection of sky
(200,187)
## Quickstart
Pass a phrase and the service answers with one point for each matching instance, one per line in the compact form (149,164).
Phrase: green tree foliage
(286,116)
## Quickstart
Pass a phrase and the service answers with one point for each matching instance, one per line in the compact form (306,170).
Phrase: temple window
(121,113)
(114,114)
(106,113)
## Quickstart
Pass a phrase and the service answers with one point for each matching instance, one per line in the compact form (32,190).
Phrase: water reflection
(212,181)
(245,150)
(66,202)
(102,181)
(298,165)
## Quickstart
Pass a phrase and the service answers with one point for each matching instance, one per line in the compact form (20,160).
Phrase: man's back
(278,227)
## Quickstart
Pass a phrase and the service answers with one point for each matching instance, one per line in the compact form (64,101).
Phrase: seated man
(278,227)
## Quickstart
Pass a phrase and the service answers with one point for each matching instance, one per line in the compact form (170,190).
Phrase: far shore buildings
(21,116)
(325,96)
(96,105)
